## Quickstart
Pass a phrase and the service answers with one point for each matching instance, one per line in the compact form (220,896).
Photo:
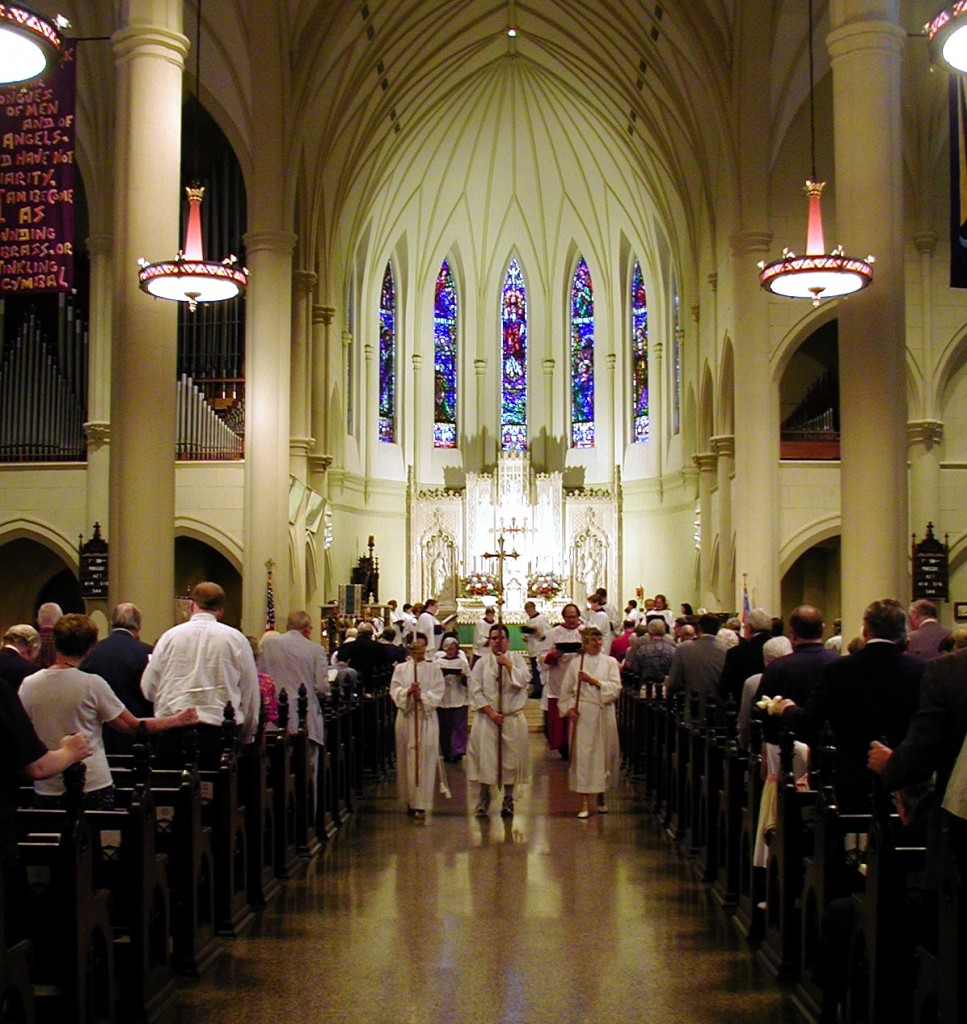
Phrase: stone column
(418,429)
(323,374)
(149,52)
(480,369)
(866,47)
(369,413)
(97,429)
(613,419)
(302,369)
(923,439)
(724,448)
(267,379)
(706,463)
(756,439)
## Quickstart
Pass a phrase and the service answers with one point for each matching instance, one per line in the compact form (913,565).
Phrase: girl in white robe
(417,688)
(591,686)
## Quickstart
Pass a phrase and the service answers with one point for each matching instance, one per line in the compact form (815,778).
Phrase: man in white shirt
(481,633)
(599,617)
(204,664)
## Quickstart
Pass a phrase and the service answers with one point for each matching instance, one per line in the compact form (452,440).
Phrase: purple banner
(37,182)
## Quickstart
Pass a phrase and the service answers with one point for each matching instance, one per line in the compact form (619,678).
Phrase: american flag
(745,601)
(269,604)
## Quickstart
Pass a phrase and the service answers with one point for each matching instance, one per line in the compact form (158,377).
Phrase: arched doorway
(814,578)
(33,574)
(196,561)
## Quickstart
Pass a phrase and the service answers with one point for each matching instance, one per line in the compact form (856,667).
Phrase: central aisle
(545,918)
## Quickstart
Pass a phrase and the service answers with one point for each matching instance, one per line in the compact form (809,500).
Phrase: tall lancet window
(639,357)
(582,358)
(513,366)
(445,360)
(387,357)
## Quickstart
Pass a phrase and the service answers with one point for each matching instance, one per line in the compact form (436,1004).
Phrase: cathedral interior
(502,274)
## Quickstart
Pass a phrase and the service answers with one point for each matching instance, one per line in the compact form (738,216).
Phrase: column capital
(417,360)
(150,40)
(549,364)
(924,432)
(610,359)
(347,338)
(303,281)
(319,463)
(724,445)
(750,243)
(705,462)
(324,315)
(926,242)
(480,365)
(713,280)
(278,242)
(368,351)
(848,38)
(97,433)
(300,446)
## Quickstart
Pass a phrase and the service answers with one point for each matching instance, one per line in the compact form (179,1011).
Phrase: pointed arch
(513,361)
(641,422)
(387,356)
(581,355)
(445,359)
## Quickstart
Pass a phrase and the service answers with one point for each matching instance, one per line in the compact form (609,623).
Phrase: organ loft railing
(812,431)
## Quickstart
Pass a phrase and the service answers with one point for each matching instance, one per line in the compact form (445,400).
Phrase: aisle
(546,919)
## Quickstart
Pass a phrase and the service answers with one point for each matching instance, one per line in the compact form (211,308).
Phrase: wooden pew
(128,865)
(749,916)
(941,989)
(729,816)
(16,991)
(830,873)
(713,768)
(183,836)
(282,782)
(69,921)
(306,785)
(882,964)
(262,885)
(694,770)
(791,843)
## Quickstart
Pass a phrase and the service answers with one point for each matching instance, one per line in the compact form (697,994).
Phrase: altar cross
(501,555)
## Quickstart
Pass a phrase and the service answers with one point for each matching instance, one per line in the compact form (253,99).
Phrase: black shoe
(507,809)
(483,804)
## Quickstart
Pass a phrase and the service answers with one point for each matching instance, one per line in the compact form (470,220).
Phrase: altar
(565,540)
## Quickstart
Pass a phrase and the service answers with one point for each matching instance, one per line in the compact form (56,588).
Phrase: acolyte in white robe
(595,757)
(484,734)
(409,712)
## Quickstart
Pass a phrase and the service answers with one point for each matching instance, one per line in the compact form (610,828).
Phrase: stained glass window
(639,357)
(582,358)
(445,360)
(513,367)
(387,357)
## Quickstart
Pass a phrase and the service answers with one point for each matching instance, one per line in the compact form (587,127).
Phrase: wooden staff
(416,724)
(577,701)
(500,724)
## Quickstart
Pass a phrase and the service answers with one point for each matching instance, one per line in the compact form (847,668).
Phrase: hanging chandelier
(818,274)
(30,44)
(189,277)
(947,37)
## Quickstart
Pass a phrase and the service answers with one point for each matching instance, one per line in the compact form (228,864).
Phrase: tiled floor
(459,919)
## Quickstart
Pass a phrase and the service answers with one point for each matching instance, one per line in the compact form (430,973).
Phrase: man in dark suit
(794,676)
(926,632)
(746,659)
(697,666)
(18,657)
(868,695)
(121,659)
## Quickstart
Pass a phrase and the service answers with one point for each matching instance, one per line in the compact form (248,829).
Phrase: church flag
(958,182)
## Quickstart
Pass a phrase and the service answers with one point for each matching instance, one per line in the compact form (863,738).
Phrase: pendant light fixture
(189,277)
(30,44)
(817,274)
(947,37)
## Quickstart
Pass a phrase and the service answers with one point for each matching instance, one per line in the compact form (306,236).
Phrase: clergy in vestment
(591,686)
(417,688)
(498,694)
(452,712)
(564,645)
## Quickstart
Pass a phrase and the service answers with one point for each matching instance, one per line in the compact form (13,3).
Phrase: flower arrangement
(545,584)
(480,584)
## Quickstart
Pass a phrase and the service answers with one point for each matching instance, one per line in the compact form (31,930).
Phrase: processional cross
(501,555)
